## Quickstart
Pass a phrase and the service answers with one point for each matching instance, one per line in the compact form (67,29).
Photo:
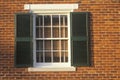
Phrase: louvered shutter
(80,38)
(23,39)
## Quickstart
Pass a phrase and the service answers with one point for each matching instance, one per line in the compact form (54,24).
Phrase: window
(52,39)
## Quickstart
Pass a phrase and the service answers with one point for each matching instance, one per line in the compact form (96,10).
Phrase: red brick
(105,41)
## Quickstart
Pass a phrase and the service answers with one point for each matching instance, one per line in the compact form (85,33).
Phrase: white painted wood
(52,69)
(52,38)
(69,41)
(34,41)
(52,64)
(50,6)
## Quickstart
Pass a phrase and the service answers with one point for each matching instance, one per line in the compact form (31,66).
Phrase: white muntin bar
(51,40)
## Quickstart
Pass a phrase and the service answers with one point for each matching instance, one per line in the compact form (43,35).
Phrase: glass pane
(55,32)
(39,45)
(56,57)
(56,45)
(64,32)
(39,21)
(47,20)
(39,57)
(55,19)
(64,57)
(63,20)
(47,56)
(64,45)
(47,32)
(39,32)
(47,45)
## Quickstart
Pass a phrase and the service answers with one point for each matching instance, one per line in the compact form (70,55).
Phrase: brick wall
(105,42)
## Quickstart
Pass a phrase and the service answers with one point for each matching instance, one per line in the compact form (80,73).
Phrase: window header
(61,7)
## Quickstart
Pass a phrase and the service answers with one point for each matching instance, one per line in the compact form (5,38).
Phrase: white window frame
(51,9)
(55,64)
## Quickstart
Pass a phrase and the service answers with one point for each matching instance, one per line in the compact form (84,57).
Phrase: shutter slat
(23,39)
(80,39)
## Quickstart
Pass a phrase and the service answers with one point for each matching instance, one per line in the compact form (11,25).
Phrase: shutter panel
(79,39)
(23,39)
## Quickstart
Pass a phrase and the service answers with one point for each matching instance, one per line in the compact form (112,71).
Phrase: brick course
(105,41)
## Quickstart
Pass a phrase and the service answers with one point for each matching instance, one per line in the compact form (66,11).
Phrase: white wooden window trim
(52,69)
(50,6)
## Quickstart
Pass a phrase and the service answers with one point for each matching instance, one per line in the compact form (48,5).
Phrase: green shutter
(80,39)
(23,40)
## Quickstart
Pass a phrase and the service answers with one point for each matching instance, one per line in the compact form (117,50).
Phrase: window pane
(56,45)
(64,57)
(55,19)
(39,21)
(64,45)
(47,20)
(39,57)
(55,32)
(47,45)
(63,20)
(47,32)
(64,32)
(56,57)
(47,56)
(39,45)
(39,32)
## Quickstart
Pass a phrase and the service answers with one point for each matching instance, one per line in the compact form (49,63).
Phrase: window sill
(53,69)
